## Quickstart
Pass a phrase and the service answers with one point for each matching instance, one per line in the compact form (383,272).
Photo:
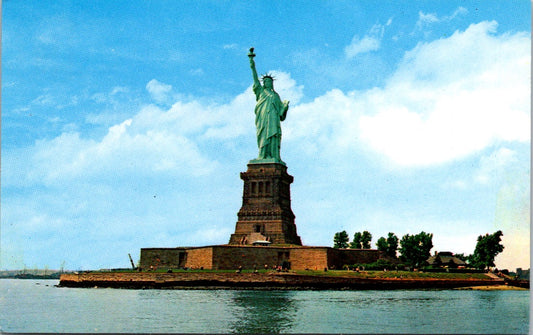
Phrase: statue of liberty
(269,112)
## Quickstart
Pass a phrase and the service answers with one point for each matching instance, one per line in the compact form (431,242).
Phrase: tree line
(415,249)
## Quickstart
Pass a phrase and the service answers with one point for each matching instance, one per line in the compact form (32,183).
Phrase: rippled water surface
(39,306)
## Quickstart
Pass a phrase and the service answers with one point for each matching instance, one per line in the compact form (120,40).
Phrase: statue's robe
(269,111)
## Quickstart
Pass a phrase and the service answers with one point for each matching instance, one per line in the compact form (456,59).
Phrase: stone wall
(256,257)
(312,258)
(163,257)
(198,258)
(228,257)
(338,258)
(248,257)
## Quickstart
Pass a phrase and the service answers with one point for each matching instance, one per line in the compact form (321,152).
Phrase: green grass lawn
(394,274)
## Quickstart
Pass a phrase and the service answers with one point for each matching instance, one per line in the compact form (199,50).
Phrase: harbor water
(40,306)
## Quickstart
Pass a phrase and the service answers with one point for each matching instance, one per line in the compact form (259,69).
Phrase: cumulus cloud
(120,153)
(154,140)
(326,125)
(160,92)
(447,99)
(453,97)
(369,42)
(287,87)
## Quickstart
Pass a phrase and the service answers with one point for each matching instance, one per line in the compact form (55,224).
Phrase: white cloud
(359,46)
(122,152)
(159,91)
(119,89)
(448,99)
(325,126)
(44,99)
(287,88)
(426,19)
(155,140)
(370,42)
(453,97)
(457,12)
(232,46)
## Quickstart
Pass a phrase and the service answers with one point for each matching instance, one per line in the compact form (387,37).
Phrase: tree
(382,244)
(356,242)
(415,249)
(366,238)
(388,245)
(361,240)
(340,240)
(487,248)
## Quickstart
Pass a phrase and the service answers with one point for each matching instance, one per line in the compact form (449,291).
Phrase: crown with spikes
(267,75)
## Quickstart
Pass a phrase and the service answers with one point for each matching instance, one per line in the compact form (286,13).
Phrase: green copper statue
(269,111)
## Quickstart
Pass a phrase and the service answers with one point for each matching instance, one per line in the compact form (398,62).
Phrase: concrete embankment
(214,280)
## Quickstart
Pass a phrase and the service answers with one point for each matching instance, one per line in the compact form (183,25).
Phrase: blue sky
(125,124)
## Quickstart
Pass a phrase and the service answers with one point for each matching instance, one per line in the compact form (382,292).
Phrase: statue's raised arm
(251,55)
(269,112)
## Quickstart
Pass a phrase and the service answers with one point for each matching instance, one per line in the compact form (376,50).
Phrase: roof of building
(444,258)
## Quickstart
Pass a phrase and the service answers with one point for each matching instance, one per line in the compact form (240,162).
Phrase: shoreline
(493,288)
(267,281)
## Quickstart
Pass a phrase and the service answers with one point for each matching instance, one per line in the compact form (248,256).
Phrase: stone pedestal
(266,213)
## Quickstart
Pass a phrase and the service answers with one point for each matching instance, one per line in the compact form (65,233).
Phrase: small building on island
(445,259)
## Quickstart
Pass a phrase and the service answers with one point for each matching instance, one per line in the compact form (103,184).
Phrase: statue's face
(268,83)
